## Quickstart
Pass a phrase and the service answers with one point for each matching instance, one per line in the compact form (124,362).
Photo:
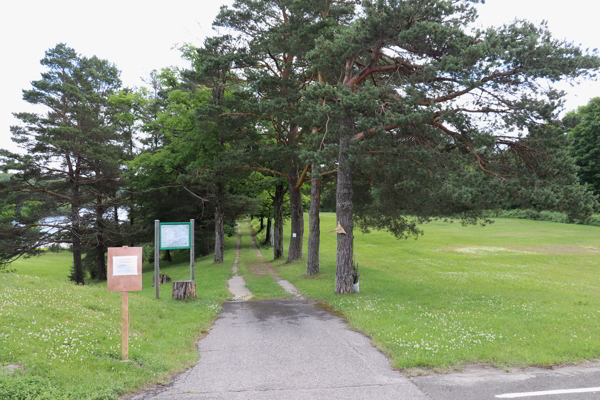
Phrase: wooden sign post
(124,275)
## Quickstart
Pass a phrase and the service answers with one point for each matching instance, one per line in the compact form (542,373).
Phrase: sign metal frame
(188,224)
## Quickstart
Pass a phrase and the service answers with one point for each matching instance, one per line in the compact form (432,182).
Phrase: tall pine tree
(423,110)
(71,151)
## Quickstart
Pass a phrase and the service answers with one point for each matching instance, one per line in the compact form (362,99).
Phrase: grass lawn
(514,293)
(257,271)
(67,337)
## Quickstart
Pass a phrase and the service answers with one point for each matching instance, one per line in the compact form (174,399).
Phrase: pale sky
(139,36)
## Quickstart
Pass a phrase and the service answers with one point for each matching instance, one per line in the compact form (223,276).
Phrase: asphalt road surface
(286,349)
(569,383)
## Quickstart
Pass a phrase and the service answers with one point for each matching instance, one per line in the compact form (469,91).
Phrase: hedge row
(550,216)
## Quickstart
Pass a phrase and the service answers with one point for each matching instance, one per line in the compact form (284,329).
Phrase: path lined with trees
(411,114)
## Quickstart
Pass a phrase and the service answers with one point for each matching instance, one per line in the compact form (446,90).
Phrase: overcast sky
(139,36)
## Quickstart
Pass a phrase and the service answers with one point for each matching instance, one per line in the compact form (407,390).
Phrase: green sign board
(175,235)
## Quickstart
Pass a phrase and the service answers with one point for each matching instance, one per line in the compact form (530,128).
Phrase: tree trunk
(76,249)
(219,224)
(262,224)
(100,244)
(162,278)
(218,96)
(268,233)
(184,290)
(278,217)
(131,217)
(76,234)
(297,234)
(168,256)
(344,275)
(314,238)
(100,263)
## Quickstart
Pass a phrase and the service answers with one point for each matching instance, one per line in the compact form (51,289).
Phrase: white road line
(547,393)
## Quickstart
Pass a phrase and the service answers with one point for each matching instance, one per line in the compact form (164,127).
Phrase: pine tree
(72,151)
(426,111)
(275,38)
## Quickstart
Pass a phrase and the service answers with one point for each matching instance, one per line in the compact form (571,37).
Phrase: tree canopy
(584,140)
(413,113)
(72,160)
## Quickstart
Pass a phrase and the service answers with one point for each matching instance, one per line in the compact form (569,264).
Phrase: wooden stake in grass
(124,325)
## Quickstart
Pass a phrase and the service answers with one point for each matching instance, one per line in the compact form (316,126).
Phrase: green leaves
(584,142)
(72,161)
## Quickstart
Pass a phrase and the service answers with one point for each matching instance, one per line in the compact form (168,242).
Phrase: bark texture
(297,234)
(218,95)
(219,224)
(314,238)
(184,290)
(100,236)
(344,273)
(162,278)
(278,217)
(76,234)
(268,233)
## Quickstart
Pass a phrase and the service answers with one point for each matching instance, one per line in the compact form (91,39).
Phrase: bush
(550,216)
(148,252)
(554,216)
(594,220)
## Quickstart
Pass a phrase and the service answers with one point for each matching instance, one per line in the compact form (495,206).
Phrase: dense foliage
(65,181)
(411,113)
(584,133)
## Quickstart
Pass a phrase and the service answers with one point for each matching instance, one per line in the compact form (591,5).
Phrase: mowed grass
(67,337)
(514,293)
(257,273)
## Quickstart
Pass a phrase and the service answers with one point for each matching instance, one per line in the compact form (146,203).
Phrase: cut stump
(184,290)
(163,278)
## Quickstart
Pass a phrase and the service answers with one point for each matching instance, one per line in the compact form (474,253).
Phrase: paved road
(566,383)
(286,349)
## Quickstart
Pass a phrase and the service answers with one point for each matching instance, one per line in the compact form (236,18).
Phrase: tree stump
(163,278)
(184,289)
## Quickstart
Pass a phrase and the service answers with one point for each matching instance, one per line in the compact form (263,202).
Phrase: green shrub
(554,216)
(549,216)
(593,220)
(23,387)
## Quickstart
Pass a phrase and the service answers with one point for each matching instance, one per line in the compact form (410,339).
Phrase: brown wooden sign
(124,269)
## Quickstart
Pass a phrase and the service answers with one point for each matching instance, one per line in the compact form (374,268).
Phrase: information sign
(124,275)
(124,265)
(124,269)
(175,235)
